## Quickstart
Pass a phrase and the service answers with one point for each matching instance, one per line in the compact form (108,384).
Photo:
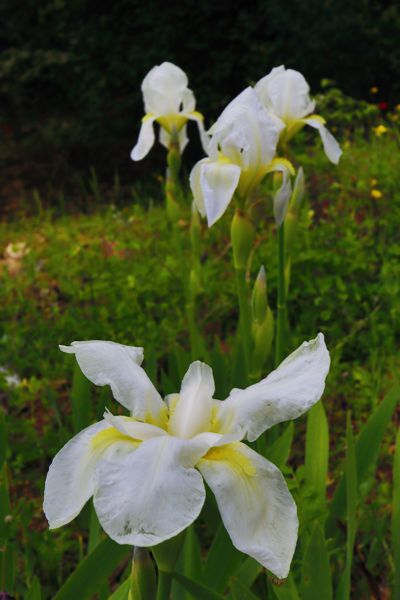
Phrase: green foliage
(346,114)
(93,570)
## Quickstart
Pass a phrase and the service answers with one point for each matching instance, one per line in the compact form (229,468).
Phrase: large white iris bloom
(287,94)
(169,101)
(241,152)
(145,472)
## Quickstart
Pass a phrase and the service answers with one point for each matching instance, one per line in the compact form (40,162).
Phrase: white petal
(164,138)
(137,430)
(188,101)
(281,199)
(194,180)
(218,181)
(282,195)
(247,134)
(190,413)
(286,93)
(164,89)
(108,363)
(146,138)
(152,494)
(183,139)
(285,394)
(330,144)
(70,481)
(255,504)
(199,119)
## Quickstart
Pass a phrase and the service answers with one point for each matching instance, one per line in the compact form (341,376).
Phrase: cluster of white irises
(145,471)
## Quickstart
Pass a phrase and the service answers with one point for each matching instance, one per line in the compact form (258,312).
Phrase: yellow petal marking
(231,455)
(109,436)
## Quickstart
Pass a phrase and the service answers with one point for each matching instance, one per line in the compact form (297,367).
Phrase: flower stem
(164,585)
(245,316)
(281,308)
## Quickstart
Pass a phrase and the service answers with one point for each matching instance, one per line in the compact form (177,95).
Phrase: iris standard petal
(108,363)
(153,494)
(286,93)
(71,478)
(190,410)
(164,88)
(146,138)
(256,506)
(285,394)
(330,144)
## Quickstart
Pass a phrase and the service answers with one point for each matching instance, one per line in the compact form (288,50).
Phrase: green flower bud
(292,216)
(277,180)
(259,302)
(263,335)
(242,236)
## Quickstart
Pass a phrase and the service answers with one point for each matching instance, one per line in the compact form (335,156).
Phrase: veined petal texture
(284,394)
(153,494)
(71,477)
(117,365)
(256,506)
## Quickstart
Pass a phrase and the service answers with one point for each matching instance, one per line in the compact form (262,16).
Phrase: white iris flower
(241,152)
(169,101)
(287,94)
(145,472)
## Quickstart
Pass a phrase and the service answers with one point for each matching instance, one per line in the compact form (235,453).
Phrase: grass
(113,274)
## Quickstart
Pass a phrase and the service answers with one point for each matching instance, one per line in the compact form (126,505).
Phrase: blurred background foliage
(70,71)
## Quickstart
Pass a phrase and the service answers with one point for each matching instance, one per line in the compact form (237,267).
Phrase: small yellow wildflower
(376,194)
(374,90)
(397,107)
(374,182)
(380,130)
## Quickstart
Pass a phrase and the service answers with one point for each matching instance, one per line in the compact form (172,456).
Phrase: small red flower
(383,105)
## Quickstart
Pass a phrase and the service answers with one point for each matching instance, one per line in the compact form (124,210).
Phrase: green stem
(245,316)
(164,585)
(281,312)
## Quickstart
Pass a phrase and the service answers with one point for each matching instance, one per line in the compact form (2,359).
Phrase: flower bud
(277,180)
(242,236)
(259,302)
(292,216)
(263,335)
